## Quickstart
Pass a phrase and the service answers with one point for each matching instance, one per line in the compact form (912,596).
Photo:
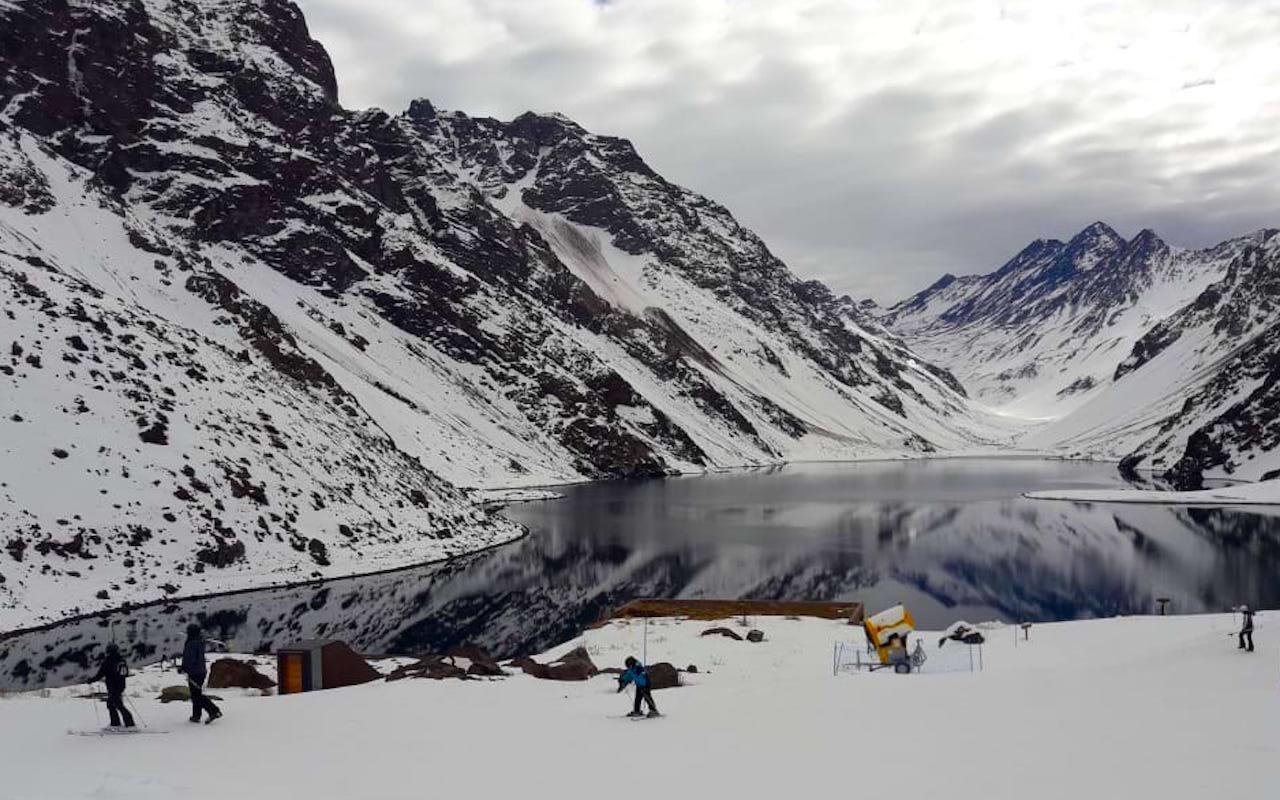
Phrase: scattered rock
(433,667)
(576,665)
(726,632)
(230,673)
(755,636)
(663,676)
(170,694)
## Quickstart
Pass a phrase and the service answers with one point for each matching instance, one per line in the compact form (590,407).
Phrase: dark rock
(663,676)
(229,672)
(726,632)
(433,667)
(755,636)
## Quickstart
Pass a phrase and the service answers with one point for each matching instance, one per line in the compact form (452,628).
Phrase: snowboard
(114,732)
(639,719)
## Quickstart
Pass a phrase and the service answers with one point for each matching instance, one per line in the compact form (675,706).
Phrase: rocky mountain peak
(1092,246)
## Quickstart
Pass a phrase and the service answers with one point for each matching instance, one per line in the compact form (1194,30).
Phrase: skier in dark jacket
(193,666)
(1246,630)
(113,672)
(637,673)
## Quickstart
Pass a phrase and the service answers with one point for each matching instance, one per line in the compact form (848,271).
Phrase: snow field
(1149,707)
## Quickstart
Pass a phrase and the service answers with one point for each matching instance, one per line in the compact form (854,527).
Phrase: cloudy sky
(874,143)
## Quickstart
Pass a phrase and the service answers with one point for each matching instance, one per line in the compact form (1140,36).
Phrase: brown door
(291,673)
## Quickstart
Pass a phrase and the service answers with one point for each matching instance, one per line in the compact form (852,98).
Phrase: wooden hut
(313,664)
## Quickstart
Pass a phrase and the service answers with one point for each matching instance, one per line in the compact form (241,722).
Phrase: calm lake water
(952,539)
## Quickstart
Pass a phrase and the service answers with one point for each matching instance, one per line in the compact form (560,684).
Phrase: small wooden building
(313,664)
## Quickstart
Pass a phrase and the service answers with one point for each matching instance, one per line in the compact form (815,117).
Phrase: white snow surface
(1142,707)
(1266,493)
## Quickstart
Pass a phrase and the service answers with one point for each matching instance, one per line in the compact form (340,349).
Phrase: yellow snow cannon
(887,632)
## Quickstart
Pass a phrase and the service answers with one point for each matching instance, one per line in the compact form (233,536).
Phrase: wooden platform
(724,609)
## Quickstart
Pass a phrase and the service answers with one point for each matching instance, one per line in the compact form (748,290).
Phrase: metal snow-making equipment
(313,664)
(888,633)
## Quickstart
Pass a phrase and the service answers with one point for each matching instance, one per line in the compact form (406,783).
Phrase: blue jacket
(637,675)
(193,660)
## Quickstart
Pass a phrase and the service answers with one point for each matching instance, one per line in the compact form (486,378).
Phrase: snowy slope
(1151,707)
(406,296)
(164,434)
(1199,394)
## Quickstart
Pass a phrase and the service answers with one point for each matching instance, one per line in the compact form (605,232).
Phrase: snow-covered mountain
(251,334)
(1123,349)
(1044,333)
(1199,394)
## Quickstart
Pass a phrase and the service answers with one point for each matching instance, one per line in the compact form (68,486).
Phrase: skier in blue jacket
(637,673)
(193,666)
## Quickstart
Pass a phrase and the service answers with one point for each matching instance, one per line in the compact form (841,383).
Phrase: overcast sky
(875,144)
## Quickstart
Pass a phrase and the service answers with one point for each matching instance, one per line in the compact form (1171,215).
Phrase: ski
(114,732)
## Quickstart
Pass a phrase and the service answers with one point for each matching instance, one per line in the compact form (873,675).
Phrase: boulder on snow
(182,694)
(528,666)
(726,632)
(229,673)
(480,662)
(575,665)
(170,694)
(433,667)
(755,636)
(663,676)
(485,669)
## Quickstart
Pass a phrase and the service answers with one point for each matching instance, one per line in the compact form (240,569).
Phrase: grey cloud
(871,150)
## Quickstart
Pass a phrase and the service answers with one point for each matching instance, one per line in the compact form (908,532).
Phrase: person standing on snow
(1246,630)
(193,666)
(113,672)
(637,673)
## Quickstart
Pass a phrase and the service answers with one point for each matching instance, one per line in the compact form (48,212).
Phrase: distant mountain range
(1134,350)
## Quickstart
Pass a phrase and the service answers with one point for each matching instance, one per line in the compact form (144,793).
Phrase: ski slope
(1142,707)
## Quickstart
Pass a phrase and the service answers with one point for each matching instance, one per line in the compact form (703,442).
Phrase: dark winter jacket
(637,675)
(193,659)
(113,672)
(1248,622)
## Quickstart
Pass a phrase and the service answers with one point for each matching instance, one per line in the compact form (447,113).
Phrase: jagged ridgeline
(250,336)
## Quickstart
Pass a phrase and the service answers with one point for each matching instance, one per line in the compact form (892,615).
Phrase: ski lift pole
(644,652)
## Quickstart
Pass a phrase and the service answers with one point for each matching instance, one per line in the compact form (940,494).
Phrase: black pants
(199,702)
(1246,635)
(115,707)
(643,693)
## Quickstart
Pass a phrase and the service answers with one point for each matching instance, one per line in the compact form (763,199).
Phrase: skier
(113,672)
(1246,630)
(637,673)
(193,666)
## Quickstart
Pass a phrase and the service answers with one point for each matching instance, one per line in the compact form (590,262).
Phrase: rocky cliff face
(409,300)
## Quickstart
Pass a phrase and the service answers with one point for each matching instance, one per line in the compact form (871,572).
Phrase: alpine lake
(952,539)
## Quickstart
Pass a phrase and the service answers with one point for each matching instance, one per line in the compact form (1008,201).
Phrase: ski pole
(134,708)
(96,714)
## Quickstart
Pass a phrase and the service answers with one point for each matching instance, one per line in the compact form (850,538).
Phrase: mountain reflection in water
(953,539)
